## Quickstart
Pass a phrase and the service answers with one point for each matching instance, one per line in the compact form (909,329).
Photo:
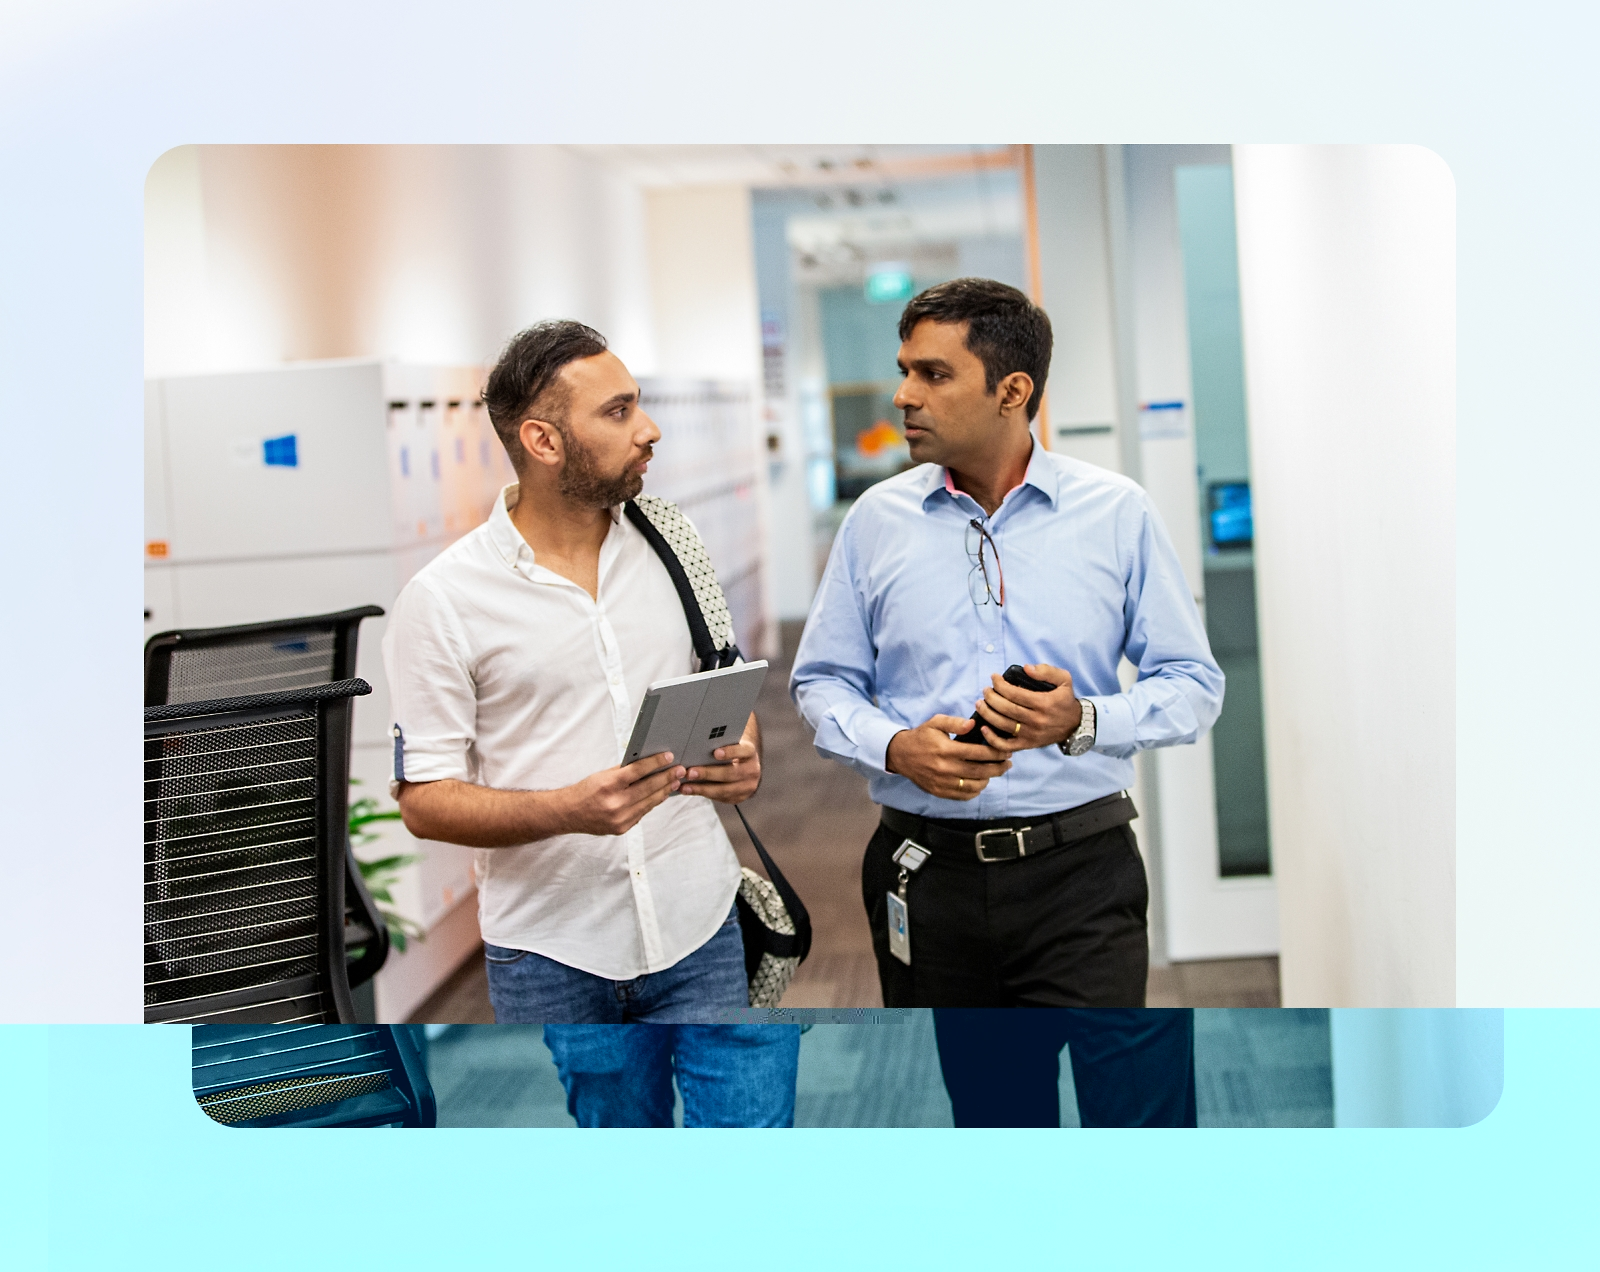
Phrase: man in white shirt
(516,661)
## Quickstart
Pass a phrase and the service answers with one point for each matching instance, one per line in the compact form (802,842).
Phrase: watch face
(1079,745)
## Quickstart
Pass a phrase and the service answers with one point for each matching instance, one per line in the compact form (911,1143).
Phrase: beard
(583,482)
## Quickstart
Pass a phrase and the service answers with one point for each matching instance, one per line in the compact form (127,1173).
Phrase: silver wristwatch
(1081,738)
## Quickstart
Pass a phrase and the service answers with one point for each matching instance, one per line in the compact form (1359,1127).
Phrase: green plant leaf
(386,865)
(357,820)
(364,811)
(380,875)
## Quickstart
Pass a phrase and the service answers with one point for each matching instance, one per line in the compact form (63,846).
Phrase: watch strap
(1085,732)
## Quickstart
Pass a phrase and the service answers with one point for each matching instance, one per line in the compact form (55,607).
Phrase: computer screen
(1231,523)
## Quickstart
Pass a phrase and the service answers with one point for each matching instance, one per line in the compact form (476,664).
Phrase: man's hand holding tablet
(614,801)
(691,716)
(736,773)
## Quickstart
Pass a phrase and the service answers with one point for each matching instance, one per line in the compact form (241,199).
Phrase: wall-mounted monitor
(1228,503)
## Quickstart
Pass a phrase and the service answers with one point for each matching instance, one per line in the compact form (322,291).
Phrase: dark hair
(527,371)
(1006,330)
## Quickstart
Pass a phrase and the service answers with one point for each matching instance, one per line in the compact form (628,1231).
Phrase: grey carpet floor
(1253,1068)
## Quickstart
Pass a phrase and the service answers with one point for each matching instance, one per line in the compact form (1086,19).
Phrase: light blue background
(140,1174)
(91,93)
(1418,1066)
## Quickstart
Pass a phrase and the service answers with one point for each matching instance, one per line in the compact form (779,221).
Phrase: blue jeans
(730,1075)
(527,988)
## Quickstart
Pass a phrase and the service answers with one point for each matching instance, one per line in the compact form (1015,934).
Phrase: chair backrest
(311,1075)
(245,853)
(196,664)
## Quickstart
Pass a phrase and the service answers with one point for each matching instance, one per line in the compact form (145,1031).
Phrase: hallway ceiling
(783,166)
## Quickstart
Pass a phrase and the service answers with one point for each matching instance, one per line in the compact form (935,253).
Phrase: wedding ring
(961,783)
(1018,733)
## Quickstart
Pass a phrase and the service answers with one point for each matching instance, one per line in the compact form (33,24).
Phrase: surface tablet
(692,716)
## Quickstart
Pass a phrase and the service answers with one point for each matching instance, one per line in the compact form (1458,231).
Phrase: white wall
(1207,916)
(1347,284)
(790,515)
(708,324)
(256,255)
(703,280)
(802,421)
(1075,277)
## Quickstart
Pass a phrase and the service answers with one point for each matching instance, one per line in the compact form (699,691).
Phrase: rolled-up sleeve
(430,688)
(834,678)
(1178,693)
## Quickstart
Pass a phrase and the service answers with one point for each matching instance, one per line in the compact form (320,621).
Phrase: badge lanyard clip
(909,856)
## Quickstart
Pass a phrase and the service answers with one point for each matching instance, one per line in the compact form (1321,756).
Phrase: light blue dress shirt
(1090,576)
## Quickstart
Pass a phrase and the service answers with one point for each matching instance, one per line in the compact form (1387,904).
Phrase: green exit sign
(888,285)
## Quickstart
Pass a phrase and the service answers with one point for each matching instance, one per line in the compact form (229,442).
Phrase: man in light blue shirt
(1004,873)
(993,552)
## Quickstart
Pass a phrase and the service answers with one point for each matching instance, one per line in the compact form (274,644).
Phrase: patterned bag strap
(668,531)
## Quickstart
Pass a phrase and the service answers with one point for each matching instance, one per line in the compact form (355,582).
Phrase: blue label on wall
(280,452)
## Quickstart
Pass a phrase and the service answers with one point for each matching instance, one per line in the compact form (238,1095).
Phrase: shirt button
(988,649)
(616,680)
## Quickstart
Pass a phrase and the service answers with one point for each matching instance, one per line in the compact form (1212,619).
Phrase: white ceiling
(792,165)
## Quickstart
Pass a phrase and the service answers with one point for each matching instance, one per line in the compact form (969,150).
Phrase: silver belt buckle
(1022,847)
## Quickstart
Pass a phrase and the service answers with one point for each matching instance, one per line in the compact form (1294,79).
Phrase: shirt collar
(507,540)
(1041,474)
(505,536)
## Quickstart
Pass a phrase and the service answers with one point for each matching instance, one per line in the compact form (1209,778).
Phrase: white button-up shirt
(505,674)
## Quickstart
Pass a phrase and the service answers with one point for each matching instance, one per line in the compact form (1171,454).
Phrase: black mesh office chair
(229,662)
(245,850)
(292,653)
(312,1075)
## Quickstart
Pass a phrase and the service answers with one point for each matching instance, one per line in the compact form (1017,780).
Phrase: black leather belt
(1008,839)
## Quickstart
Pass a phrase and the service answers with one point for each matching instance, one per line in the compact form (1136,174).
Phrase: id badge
(899,929)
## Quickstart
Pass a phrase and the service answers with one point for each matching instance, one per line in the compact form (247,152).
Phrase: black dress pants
(1131,1067)
(1065,928)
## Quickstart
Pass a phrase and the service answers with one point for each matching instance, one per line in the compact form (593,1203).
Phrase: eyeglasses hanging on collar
(985,582)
